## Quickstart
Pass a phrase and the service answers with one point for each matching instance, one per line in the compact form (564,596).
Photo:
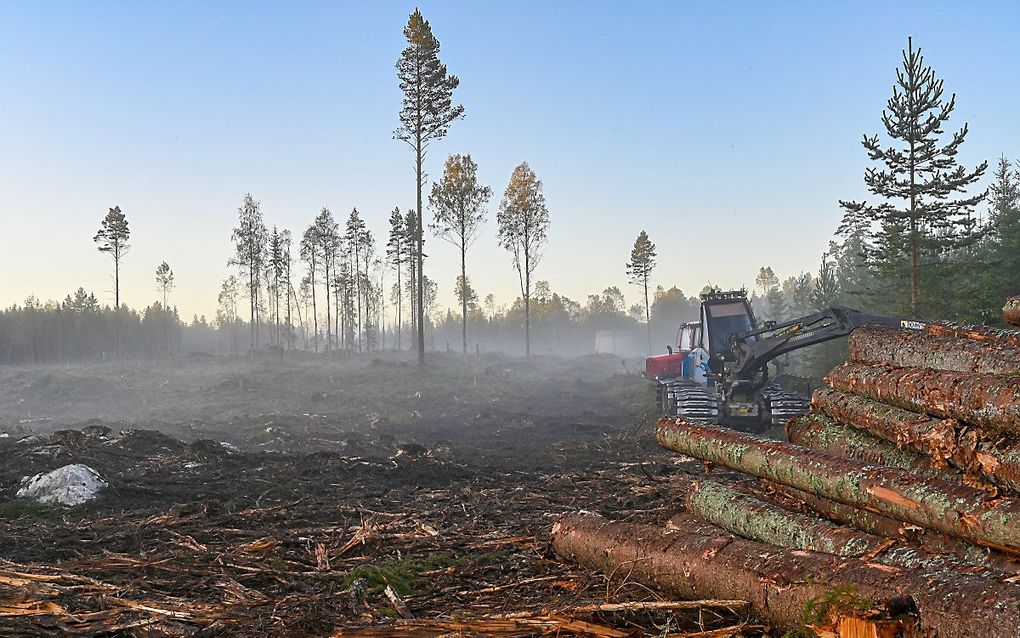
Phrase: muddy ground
(323,496)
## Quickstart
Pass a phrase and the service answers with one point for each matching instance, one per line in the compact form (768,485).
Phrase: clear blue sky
(726,130)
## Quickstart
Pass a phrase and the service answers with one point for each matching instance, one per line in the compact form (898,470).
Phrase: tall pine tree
(425,116)
(639,269)
(925,217)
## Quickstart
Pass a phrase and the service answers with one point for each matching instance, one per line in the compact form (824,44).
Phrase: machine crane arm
(752,350)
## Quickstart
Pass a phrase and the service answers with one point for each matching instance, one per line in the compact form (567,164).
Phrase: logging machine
(719,369)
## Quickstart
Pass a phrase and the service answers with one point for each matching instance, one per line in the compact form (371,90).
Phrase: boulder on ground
(68,485)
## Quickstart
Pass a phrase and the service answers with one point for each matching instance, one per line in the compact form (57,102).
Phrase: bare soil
(269,498)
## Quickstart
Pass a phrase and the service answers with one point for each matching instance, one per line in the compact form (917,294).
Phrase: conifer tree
(639,269)
(112,239)
(425,116)
(395,249)
(925,213)
(1005,231)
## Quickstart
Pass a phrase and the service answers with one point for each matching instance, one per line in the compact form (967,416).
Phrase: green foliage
(818,610)
(922,229)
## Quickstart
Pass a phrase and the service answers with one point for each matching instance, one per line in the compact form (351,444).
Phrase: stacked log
(1011,311)
(903,480)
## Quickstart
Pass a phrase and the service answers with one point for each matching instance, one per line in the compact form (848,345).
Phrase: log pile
(1011,311)
(897,498)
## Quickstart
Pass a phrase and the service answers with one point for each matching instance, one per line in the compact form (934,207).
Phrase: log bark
(921,349)
(1011,311)
(944,441)
(986,400)
(957,510)
(754,519)
(782,584)
(819,432)
(758,520)
(930,540)
(977,333)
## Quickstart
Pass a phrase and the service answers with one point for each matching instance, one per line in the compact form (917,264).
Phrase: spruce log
(955,509)
(943,440)
(1011,311)
(987,400)
(758,520)
(921,349)
(819,432)
(977,333)
(781,584)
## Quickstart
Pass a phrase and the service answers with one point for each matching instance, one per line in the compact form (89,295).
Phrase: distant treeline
(80,329)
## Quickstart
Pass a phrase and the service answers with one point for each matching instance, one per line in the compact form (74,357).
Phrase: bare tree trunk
(954,509)
(648,315)
(757,520)
(987,400)
(922,349)
(819,432)
(780,584)
(419,238)
(967,448)
(872,523)
(463,291)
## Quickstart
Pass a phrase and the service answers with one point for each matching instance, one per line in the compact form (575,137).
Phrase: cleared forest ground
(349,476)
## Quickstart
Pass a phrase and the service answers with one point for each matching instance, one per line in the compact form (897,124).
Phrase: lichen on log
(823,434)
(952,508)
(759,520)
(781,584)
(921,349)
(931,541)
(970,449)
(986,400)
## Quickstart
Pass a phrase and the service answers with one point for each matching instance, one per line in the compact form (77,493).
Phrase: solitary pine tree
(639,269)
(112,239)
(459,205)
(425,116)
(523,230)
(164,280)
(920,223)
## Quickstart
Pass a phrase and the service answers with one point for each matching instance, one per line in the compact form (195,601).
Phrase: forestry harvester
(719,369)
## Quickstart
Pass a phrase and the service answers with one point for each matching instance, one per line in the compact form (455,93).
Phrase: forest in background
(936,240)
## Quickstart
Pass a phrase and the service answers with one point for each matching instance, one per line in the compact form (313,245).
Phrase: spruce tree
(925,214)
(1005,231)
(425,116)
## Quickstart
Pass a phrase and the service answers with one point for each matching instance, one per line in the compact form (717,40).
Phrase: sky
(727,130)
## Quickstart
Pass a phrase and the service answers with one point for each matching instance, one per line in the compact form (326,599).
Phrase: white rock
(68,485)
